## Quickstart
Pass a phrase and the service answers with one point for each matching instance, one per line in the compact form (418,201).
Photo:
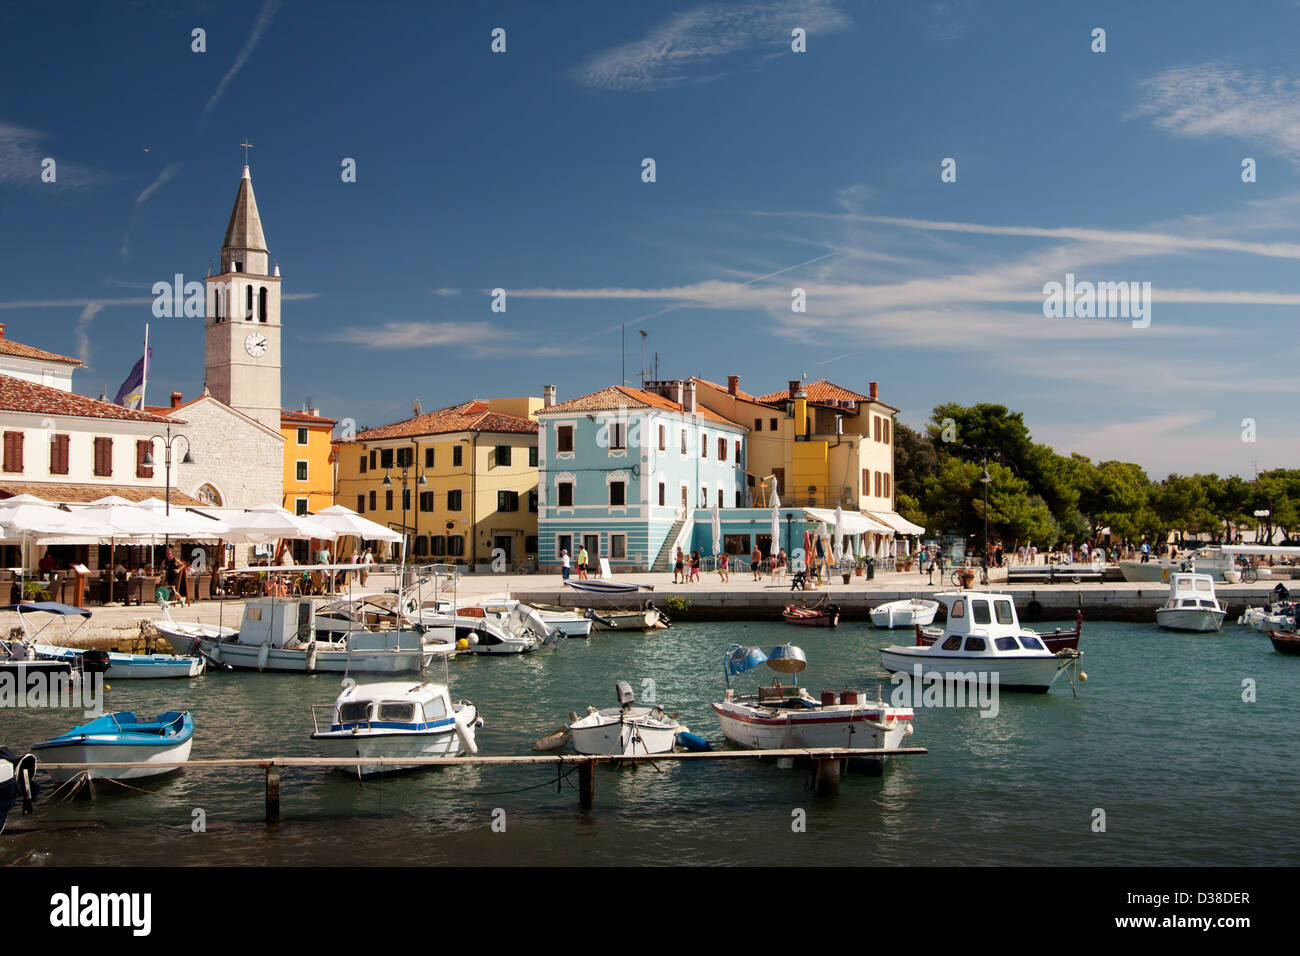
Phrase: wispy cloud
(91,310)
(254,37)
(687,47)
(167,175)
(21,157)
(480,339)
(445,292)
(1212,100)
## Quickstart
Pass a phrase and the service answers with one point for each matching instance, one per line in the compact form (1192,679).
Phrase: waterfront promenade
(741,598)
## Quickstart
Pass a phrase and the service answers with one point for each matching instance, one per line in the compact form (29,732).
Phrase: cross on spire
(247,147)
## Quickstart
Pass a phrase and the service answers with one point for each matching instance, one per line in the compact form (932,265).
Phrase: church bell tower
(242,328)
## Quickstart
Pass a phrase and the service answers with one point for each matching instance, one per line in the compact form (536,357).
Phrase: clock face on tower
(255,344)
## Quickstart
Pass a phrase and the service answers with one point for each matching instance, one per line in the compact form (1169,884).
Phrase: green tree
(915,458)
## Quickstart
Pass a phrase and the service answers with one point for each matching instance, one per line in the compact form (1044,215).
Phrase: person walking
(695,567)
(582,563)
(564,564)
(723,570)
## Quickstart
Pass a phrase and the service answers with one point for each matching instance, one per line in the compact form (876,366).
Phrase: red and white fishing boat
(783,716)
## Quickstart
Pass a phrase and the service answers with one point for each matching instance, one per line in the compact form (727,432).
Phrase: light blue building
(625,473)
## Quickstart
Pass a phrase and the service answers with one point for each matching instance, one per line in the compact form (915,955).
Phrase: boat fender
(466,738)
(908,729)
(311,656)
(25,777)
(263,655)
(693,742)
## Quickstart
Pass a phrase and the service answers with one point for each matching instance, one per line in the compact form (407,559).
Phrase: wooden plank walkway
(828,760)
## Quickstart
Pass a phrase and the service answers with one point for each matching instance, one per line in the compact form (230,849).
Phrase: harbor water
(1159,739)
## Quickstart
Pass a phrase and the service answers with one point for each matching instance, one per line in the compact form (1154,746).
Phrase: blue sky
(774,169)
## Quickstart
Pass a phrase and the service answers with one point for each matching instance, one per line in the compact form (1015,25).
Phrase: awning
(897,522)
(851,522)
(74,493)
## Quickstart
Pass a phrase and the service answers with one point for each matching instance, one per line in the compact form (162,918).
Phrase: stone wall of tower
(243,462)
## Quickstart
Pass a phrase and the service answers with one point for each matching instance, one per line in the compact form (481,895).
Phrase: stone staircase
(665,560)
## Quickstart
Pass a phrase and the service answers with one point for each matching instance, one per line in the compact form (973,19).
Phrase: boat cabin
(982,622)
(294,622)
(392,705)
(1192,591)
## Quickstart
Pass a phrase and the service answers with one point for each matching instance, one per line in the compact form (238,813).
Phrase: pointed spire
(245,243)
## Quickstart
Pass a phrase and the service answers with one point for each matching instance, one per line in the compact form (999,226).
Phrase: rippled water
(1159,738)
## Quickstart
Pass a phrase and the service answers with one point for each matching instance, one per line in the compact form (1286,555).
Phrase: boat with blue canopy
(122,738)
(117,665)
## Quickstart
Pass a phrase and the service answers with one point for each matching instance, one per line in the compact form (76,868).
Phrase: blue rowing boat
(122,738)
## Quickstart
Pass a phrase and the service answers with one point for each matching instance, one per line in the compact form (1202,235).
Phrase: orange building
(308,460)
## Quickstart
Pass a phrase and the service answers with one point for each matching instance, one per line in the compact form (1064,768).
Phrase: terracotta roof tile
(740,393)
(17,349)
(59,492)
(621,396)
(303,418)
(18,395)
(820,391)
(472,416)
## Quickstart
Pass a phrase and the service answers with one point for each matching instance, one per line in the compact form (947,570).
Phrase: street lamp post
(985,478)
(147,462)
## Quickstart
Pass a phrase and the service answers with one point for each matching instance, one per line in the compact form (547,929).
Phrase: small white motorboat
(393,720)
(625,730)
(1192,605)
(645,619)
(568,621)
(279,634)
(908,613)
(116,665)
(785,716)
(122,738)
(518,632)
(982,641)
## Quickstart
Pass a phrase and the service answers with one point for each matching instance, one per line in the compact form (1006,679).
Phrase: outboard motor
(17,783)
(94,662)
(623,691)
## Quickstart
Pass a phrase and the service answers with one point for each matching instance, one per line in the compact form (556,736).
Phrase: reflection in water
(1018,788)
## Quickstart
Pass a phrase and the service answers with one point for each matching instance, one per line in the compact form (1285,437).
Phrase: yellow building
(308,462)
(825,445)
(461,482)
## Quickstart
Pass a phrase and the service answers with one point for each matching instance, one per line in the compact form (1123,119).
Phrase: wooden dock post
(587,784)
(828,777)
(272,794)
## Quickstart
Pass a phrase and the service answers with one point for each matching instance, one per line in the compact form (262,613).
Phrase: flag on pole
(131,394)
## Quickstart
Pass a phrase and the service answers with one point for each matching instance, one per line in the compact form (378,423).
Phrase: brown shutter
(141,449)
(59,455)
(13,454)
(104,457)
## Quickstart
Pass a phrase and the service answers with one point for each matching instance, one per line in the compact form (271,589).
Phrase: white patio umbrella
(837,546)
(776,523)
(344,521)
(268,523)
(717,530)
(183,523)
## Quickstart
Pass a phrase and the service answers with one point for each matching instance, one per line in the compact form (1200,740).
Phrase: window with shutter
(59,455)
(104,457)
(142,448)
(13,456)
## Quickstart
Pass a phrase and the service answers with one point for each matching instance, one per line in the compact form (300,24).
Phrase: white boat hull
(258,657)
(389,746)
(904,614)
(1032,673)
(1197,620)
(838,727)
(183,634)
(626,738)
(144,759)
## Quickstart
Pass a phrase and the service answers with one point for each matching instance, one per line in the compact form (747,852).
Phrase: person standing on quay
(695,567)
(723,560)
(679,569)
(756,561)
(564,563)
(582,563)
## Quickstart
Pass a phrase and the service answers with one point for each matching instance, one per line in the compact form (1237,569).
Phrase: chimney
(548,396)
(689,404)
(314,412)
(873,388)
(2,330)
(794,386)
(677,396)
(733,384)
(176,399)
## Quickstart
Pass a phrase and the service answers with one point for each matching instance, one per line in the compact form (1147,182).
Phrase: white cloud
(1212,100)
(685,45)
(21,156)
(255,35)
(167,175)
